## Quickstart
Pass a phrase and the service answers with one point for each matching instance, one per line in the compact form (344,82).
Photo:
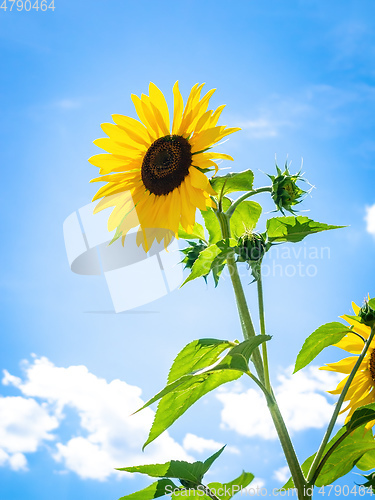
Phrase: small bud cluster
(251,247)
(285,192)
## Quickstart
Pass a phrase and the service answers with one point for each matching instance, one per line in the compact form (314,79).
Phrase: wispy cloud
(67,104)
(260,128)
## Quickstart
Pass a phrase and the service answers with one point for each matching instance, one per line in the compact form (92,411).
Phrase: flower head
(154,172)
(362,389)
(285,192)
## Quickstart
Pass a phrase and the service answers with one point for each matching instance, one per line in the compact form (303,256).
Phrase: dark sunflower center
(372,365)
(166,164)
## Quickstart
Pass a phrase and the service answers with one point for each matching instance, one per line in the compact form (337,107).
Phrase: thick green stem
(336,412)
(248,331)
(290,454)
(263,330)
(245,318)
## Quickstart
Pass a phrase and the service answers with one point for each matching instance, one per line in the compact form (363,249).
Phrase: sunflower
(155,173)
(362,389)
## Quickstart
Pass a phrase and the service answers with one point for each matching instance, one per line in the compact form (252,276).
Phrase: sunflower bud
(251,247)
(285,192)
(367,314)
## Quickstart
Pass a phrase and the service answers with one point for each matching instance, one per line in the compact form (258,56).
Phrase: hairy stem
(243,311)
(263,330)
(234,205)
(248,331)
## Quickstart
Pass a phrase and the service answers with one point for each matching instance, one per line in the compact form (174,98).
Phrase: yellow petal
(215,117)
(200,181)
(177,108)
(358,327)
(128,123)
(110,201)
(126,137)
(140,112)
(114,147)
(195,195)
(350,343)
(344,366)
(355,308)
(158,100)
(109,161)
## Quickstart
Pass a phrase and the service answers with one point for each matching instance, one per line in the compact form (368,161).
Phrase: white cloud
(24,426)
(282,475)
(256,484)
(301,397)
(370,219)
(108,436)
(201,445)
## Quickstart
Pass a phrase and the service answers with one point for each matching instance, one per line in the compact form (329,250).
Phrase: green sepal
(241,181)
(154,490)
(177,469)
(294,229)
(324,336)
(370,483)
(179,394)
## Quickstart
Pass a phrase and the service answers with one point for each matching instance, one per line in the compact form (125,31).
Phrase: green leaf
(343,459)
(241,181)
(294,229)
(212,256)
(245,217)
(212,225)
(202,266)
(238,357)
(198,233)
(361,416)
(177,397)
(155,490)
(178,469)
(197,355)
(210,460)
(324,336)
(182,393)
(231,488)
(366,462)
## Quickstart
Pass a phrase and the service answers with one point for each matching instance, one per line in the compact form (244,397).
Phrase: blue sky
(299,78)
